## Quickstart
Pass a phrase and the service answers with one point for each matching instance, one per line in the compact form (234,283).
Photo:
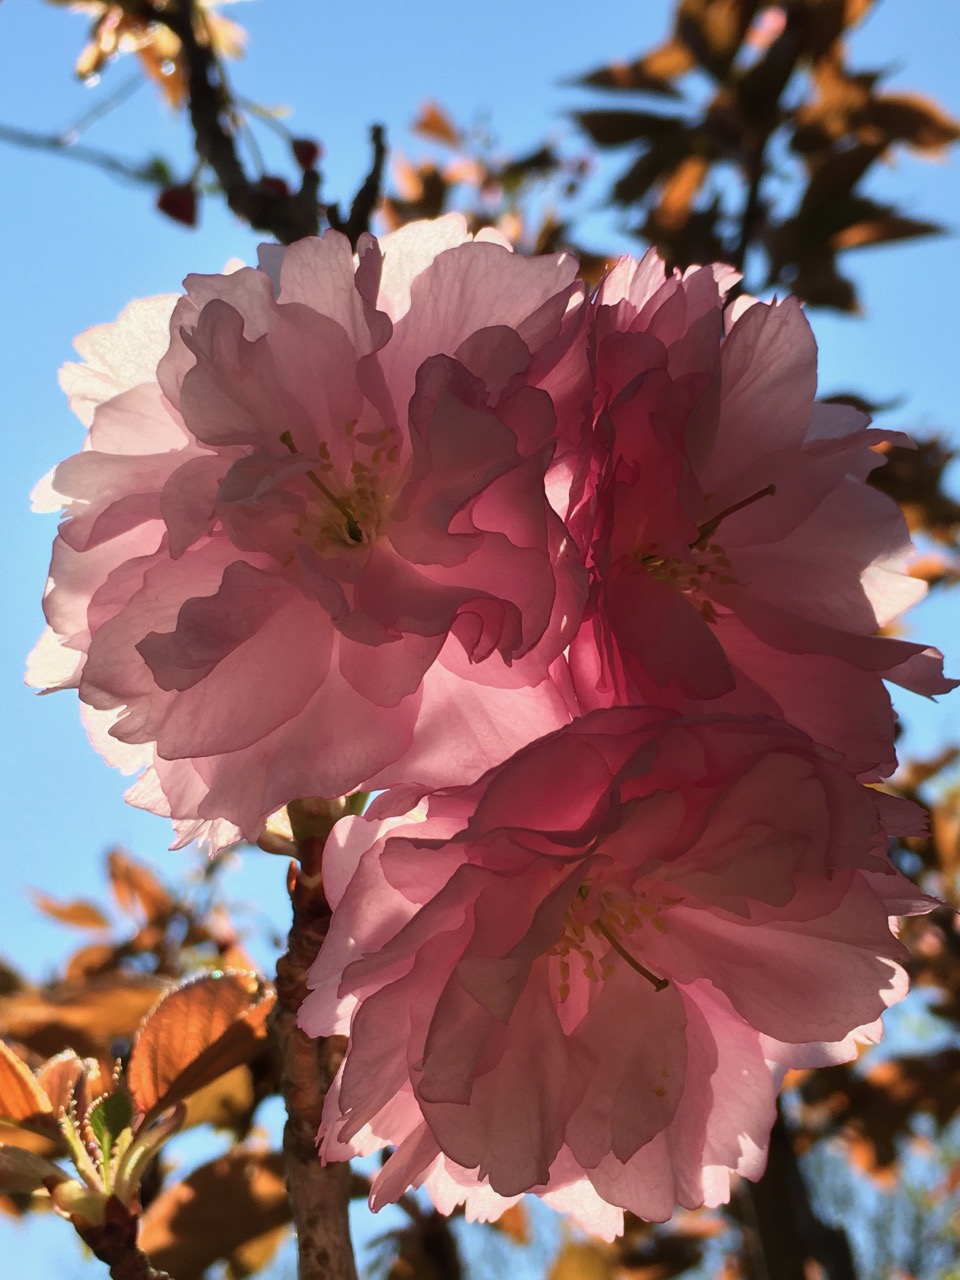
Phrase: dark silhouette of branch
(789,1231)
(285,215)
(368,197)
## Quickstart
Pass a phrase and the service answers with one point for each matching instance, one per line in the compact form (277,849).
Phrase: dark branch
(287,216)
(368,197)
(791,1236)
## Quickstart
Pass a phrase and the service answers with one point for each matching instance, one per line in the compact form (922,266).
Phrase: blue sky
(79,245)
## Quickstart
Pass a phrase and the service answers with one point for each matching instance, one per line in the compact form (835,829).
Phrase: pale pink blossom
(307,545)
(739,557)
(584,975)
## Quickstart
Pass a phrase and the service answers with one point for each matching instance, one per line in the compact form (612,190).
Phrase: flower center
(704,562)
(601,924)
(348,513)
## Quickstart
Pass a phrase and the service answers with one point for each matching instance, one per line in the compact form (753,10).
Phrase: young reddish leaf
(21,1096)
(135,886)
(615,128)
(650,74)
(59,1077)
(85,915)
(195,1034)
(914,120)
(215,1213)
(433,122)
(714,30)
(883,228)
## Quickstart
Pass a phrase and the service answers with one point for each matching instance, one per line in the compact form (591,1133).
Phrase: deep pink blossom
(584,975)
(307,545)
(739,556)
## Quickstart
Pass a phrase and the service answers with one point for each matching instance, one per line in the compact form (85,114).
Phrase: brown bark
(319,1194)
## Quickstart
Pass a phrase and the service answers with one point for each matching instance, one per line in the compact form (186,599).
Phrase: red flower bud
(306,152)
(179,203)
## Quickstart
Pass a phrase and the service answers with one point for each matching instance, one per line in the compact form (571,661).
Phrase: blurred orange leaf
(583,1260)
(135,886)
(85,1016)
(433,122)
(514,1223)
(85,915)
(216,1214)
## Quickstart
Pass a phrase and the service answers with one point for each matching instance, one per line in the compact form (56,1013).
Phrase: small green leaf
(107,1119)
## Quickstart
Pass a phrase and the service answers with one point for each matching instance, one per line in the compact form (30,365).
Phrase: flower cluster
(593,590)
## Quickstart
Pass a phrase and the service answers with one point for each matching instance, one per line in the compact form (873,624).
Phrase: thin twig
(100,109)
(55,142)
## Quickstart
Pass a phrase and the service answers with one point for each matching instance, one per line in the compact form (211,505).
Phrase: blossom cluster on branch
(593,590)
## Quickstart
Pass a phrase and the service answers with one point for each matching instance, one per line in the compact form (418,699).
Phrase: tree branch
(319,1194)
(287,216)
(368,197)
(789,1231)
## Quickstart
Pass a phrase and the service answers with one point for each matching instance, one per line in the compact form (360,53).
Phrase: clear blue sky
(79,245)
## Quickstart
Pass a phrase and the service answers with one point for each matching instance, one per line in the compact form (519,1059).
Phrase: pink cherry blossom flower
(739,557)
(307,545)
(584,975)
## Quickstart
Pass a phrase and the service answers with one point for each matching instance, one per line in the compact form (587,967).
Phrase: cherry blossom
(739,557)
(308,547)
(584,975)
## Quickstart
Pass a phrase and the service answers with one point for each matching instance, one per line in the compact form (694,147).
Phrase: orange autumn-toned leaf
(679,189)
(934,569)
(913,120)
(22,1098)
(714,30)
(99,957)
(881,229)
(650,74)
(197,1032)
(85,1016)
(124,27)
(253,1255)
(514,1223)
(215,1212)
(59,1077)
(135,886)
(583,1260)
(615,128)
(85,915)
(433,122)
